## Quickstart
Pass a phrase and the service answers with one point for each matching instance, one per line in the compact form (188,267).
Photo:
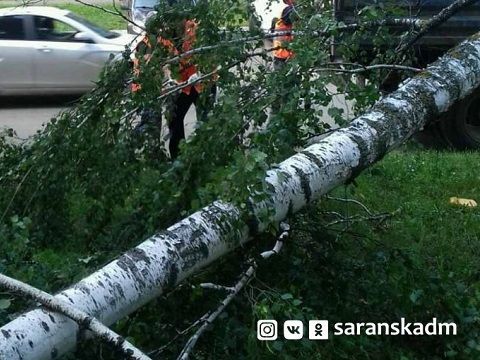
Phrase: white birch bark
(167,258)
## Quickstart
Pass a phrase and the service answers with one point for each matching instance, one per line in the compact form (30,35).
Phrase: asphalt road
(27,115)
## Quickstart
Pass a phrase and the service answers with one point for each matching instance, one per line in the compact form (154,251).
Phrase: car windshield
(145,4)
(94,27)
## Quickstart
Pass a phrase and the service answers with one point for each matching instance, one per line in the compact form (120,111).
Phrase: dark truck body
(460,127)
(461,25)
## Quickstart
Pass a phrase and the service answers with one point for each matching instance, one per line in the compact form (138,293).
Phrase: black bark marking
(119,290)
(30,343)
(138,255)
(363,158)
(45,326)
(6,334)
(129,265)
(82,288)
(20,356)
(168,234)
(304,183)
(310,156)
(191,255)
(52,319)
(95,302)
(172,274)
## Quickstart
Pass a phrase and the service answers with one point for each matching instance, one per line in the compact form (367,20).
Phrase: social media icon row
(292,330)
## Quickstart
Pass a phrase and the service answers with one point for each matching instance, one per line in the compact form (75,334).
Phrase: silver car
(46,50)
(137,11)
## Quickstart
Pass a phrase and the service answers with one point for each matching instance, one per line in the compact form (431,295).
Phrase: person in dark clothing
(284,22)
(178,39)
(180,106)
(200,93)
(282,54)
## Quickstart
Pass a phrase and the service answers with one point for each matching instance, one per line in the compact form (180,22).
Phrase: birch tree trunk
(167,258)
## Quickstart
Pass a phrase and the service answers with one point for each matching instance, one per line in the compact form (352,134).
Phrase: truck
(459,128)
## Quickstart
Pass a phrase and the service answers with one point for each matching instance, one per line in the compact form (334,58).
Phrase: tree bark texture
(167,258)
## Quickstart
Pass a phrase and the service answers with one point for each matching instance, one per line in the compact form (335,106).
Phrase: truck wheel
(458,128)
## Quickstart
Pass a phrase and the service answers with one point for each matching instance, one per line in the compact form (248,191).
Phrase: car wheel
(458,128)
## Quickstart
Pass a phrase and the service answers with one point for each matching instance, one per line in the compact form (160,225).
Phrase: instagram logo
(267,330)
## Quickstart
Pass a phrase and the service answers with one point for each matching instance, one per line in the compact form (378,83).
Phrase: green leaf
(296,302)
(415,295)
(5,304)
(287,296)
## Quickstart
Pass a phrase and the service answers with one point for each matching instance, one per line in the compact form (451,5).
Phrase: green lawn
(98,16)
(94,14)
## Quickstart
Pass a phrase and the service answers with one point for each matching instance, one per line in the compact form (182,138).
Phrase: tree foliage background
(88,187)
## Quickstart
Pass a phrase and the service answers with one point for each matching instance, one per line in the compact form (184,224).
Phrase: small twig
(211,286)
(99,330)
(350,201)
(362,69)
(17,189)
(358,218)
(245,278)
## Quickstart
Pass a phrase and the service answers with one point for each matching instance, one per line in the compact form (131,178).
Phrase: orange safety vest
(136,60)
(281,52)
(186,68)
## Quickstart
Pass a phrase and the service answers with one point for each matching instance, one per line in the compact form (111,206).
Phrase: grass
(95,15)
(418,185)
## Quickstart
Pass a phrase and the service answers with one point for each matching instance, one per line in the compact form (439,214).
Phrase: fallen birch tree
(169,257)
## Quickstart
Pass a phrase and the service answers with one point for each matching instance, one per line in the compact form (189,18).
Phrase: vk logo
(293,330)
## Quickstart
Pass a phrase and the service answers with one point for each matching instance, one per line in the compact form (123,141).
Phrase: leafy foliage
(89,187)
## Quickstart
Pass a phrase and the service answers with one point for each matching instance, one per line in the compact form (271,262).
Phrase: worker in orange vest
(284,22)
(201,93)
(178,39)
(282,55)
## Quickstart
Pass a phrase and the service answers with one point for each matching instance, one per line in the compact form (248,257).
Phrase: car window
(11,28)
(49,29)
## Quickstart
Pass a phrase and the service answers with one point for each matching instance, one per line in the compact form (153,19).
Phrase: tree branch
(436,21)
(362,69)
(245,279)
(99,330)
